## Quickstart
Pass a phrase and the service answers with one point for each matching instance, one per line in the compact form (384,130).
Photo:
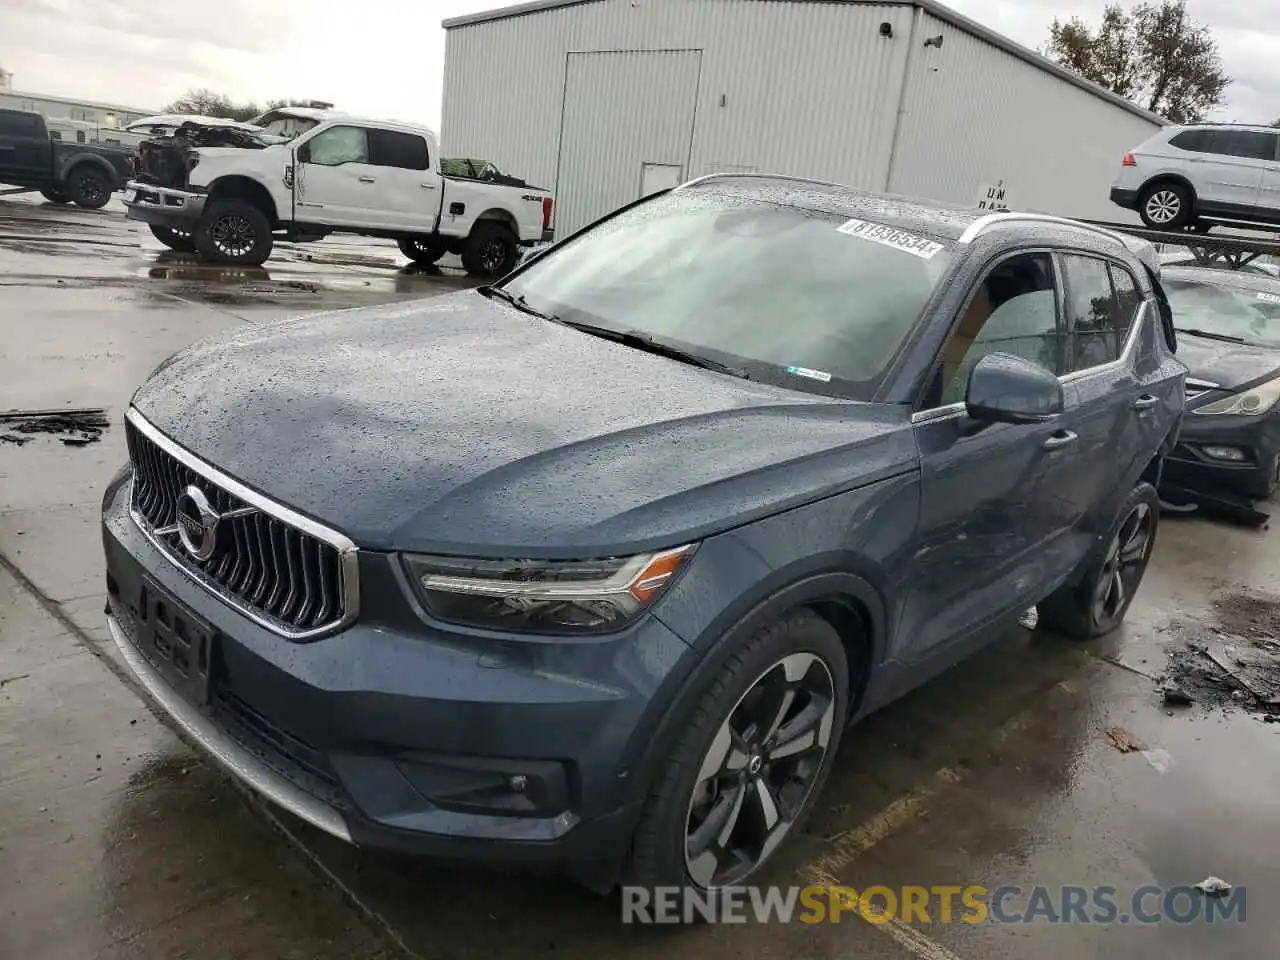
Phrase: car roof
(1251,127)
(1257,282)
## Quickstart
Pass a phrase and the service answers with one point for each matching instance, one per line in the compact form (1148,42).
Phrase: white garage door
(626,130)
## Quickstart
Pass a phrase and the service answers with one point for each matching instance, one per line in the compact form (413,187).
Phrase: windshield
(1249,315)
(283,128)
(811,301)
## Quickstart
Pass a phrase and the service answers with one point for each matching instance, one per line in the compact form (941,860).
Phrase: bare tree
(1153,54)
(206,103)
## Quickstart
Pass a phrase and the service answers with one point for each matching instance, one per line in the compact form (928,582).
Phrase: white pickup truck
(226,192)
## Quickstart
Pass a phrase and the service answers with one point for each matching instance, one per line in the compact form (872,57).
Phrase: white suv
(1187,176)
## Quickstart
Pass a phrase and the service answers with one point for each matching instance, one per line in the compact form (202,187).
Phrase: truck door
(26,153)
(409,189)
(335,184)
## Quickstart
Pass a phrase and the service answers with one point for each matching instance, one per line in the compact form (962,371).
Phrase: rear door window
(1094,320)
(391,148)
(1249,144)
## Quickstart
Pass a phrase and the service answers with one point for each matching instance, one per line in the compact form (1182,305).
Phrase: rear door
(1228,173)
(407,190)
(26,152)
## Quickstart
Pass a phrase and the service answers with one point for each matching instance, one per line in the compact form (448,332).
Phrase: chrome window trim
(1130,345)
(348,557)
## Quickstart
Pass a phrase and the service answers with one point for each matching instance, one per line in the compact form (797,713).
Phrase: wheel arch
(1161,179)
(77,160)
(499,215)
(240,187)
(844,600)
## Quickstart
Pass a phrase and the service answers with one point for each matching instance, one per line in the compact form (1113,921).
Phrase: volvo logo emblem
(197,523)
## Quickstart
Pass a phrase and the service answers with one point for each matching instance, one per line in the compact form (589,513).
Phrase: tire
(174,239)
(491,250)
(233,231)
(1093,608)
(424,252)
(1166,206)
(88,187)
(801,652)
(55,196)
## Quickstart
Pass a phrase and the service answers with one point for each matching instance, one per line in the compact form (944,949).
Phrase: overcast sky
(386,57)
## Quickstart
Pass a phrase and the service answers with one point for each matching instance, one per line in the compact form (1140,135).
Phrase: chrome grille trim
(261,545)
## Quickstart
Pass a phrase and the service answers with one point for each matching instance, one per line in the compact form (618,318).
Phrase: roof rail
(726,174)
(975,229)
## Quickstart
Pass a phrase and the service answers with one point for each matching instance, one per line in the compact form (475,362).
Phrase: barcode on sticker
(811,374)
(891,237)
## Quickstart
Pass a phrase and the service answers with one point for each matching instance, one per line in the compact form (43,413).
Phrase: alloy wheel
(1124,564)
(91,187)
(493,254)
(1163,206)
(232,235)
(759,770)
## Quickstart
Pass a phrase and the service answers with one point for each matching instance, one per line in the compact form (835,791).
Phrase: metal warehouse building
(606,100)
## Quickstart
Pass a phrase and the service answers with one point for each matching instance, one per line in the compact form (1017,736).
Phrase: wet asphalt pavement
(119,841)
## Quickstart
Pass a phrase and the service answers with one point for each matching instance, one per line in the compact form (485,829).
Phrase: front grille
(286,579)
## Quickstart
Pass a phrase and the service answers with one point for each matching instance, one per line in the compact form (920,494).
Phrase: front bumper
(403,739)
(163,206)
(1193,466)
(1124,198)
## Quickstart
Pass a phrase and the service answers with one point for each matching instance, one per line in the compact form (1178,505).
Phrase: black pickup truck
(81,173)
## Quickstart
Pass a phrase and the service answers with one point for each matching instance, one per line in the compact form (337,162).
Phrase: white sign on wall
(995,197)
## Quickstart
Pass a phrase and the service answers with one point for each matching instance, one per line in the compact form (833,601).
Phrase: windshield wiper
(662,348)
(1212,336)
(516,300)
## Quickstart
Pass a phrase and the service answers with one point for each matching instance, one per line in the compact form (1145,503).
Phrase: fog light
(517,783)
(1224,453)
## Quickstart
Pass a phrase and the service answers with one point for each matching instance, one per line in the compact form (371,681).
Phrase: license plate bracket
(180,645)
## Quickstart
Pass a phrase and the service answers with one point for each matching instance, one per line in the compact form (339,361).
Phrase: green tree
(1152,54)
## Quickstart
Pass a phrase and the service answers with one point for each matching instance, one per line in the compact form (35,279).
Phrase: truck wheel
(233,231)
(55,196)
(491,250)
(88,187)
(174,239)
(425,252)
(1096,606)
(749,760)
(1166,206)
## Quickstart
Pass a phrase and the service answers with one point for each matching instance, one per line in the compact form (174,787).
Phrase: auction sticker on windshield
(891,237)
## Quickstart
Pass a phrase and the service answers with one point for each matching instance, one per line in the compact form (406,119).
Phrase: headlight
(1250,403)
(544,596)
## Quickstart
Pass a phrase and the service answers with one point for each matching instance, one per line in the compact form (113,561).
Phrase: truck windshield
(807,300)
(1226,311)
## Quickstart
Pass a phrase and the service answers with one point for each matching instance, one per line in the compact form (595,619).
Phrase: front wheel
(1097,605)
(174,239)
(233,231)
(751,757)
(88,187)
(491,250)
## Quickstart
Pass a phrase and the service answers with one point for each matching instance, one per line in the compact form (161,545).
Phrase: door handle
(1063,438)
(366,180)
(1145,402)
(427,186)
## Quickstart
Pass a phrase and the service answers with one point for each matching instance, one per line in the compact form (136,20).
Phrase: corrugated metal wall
(976,115)
(807,89)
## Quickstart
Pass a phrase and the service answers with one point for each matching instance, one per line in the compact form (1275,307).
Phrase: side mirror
(1008,389)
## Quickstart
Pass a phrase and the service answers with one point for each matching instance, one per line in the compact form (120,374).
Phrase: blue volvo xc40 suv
(593,567)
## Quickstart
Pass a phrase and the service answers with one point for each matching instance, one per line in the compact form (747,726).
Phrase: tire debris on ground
(75,428)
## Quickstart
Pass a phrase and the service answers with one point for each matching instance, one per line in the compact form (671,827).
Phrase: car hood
(460,425)
(1229,365)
